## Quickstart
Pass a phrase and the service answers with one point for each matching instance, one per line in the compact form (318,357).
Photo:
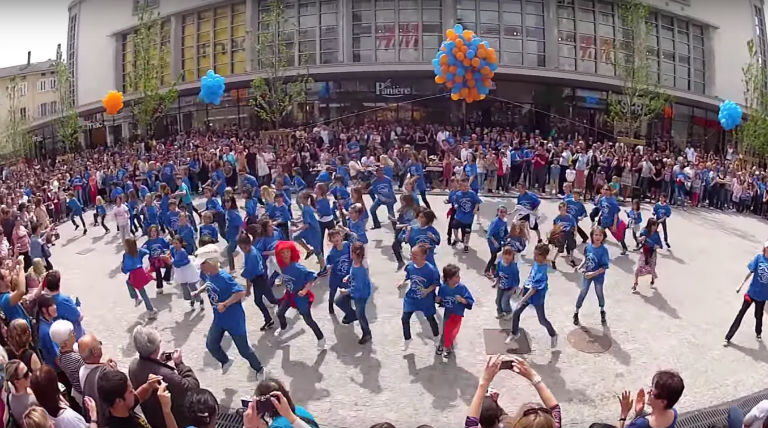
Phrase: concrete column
(709,61)
(550,34)
(449,13)
(117,80)
(252,22)
(345,17)
(175,54)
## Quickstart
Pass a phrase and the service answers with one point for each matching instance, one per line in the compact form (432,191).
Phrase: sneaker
(602,318)
(321,344)
(159,291)
(85,231)
(576,319)
(323,272)
(508,316)
(400,266)
(310,253)
(726,343)
(500,316)
(553,342)
(202,304)
(439,350)
(511,338)
(77,227)
(225,366)
(554,266)
(446,354)
(623,252)
(261,375)
(759,338)
(152,314)
(192,304)
(365,339)
(136,301)
(466,249)
(278,332)
(668,246)
(572,263)
(267,325)
(406,344)
(347,321)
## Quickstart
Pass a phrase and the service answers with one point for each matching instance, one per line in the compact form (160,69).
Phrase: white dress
(186,273)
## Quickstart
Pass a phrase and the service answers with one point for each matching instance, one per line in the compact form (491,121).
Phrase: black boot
(576,318)
(602,318)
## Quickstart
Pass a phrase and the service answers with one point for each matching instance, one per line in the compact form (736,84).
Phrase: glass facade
(129,58)
(760,37)
(213,39)
(515,28)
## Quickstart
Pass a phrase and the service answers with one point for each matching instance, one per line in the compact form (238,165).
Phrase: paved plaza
(680,325)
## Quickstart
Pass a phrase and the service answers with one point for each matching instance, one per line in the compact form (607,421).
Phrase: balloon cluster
(465,64)
(730,115)
(112,102)
(211,88)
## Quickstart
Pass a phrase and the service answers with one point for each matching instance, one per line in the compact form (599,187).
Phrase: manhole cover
(494,342)
(85,251)
(590,340)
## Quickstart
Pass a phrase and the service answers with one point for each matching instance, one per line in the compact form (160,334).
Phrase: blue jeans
(213,344)
(540,313)
(480,180)
(375,206)
(502,300)
(735,417)
(142,293)
(585,284)
(344,302)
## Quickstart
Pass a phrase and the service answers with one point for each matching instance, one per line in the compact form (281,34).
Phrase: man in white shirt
(565,161)
(690,153)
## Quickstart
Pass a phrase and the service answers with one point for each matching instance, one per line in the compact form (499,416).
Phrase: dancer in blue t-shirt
(357,289)
(507,282)
(497,238)
(423,280)
(757,293)
(596,262)
(465,203)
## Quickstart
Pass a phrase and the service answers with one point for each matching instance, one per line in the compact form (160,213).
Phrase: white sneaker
(225,367)
(511,338)
(406,344)
(321,344)
(152,314)
(262,375)
(553,343)
(278,332)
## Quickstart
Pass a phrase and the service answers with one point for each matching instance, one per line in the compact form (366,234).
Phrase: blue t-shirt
(448,300)
(295,278)
(12,312)
(220,179)
(528,200)
(253,265)
(608,210)
(508,275)
(596,258)
(425,235)
(66,309)
(340,262)
(359,282)
(575,208)
(251,205)
(498,232)
(180,257)
(75,206)
(156,247)
(635,216)
(415,169)
(234,225)
(48,348)
(100,210)
(651,240)
(187,233)
(538,280)
(662,211)
(323,207)
(323,177)
(213,204)
(281,422)
(134,262)
(357,228)
(758,288)
(420,279)
(470,170)
(172,219)
(249,181)
(465,203)
(517,243)
(150,215)
(383,189)
(279,212)
(643,422)
(567,222)
(221,287)
(210,231)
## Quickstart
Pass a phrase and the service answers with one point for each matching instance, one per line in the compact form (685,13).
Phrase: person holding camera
(485,411)
(169,366)
(272,407)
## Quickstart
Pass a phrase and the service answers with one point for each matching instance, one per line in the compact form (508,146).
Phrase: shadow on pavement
(432,379)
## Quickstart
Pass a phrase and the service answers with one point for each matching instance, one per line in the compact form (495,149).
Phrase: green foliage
(16,141)
(753,132)
(148,71)
(67,123)
(274,93)
(641,99)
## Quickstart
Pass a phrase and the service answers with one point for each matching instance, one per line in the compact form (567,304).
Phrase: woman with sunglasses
(485,411)
(20,396)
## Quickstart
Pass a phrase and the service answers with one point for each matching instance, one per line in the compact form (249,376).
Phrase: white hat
(60,331)
(208,253)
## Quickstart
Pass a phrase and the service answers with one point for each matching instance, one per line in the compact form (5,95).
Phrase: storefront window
(213,39)
(162,43)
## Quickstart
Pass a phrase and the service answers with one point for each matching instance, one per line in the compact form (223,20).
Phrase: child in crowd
(138,277)
(255,276)
(208,229)
(527,206)
(420,296)
(466,203)
(76,210)
(122,218)
(308,234)
(576,209)
(158,247)
(356,223)
(651,241)
(234,226)
(280,214)
(213,206)
(593,267)
(298,282)
(535,289)
(424,233)
(635,221)
(100,213)
(497,237)
(453,187)
(133,211)
(357,290)
(507,282)
(184,272)
(251,206)
(172,217)
(455,298)
(565,224)
(406,215)
(187,233)
(150,214)
(325,212)
(662,211)
(338,263)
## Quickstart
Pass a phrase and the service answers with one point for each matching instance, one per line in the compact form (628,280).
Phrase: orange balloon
(460,56)
(487,83)
(490,75)
(468,76)
(459,43)
(444,59)
(491,51)
(482,53)
(475,62)
(454,51)
(492,59)
(112,102)
(485,70)
(464,49)
(458,79)
(440,79)
(449,84)
(470,83)
(468,34)
(442,48)
(455,97)
(469,100)
(466,62)
(464,92)
(450,33)
(452,69)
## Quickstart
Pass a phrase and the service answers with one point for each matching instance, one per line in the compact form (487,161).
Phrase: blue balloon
(730,115)
(475,41)
(478,76)
(451,60)
(449,76)
(455,89)
(487,45)
(211,88)
(460,71)
(493,66)
(470,54)
(458,28)
(450,45)
(435,62)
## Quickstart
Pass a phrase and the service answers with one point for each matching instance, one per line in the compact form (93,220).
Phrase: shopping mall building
(555,55)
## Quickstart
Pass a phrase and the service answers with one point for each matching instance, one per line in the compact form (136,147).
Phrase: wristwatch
(536,380)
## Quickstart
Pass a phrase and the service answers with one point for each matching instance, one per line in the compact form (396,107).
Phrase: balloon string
(550,114)
(375,109)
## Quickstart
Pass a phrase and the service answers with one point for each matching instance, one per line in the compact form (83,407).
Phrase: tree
(753,132)
(16,139)
(641,98)
(276,93)
(67,123)
(149,70)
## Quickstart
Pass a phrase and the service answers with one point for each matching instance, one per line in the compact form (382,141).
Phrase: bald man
(90,349)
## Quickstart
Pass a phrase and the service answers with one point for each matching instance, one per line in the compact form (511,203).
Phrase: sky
(32,25)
